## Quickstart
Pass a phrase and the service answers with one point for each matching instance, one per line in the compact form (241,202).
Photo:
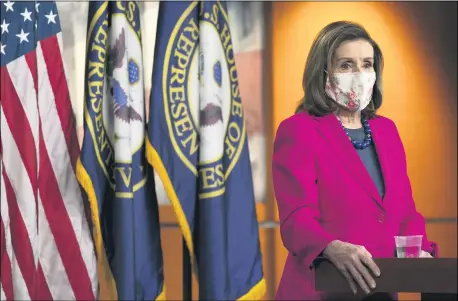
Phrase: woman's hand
(354,262)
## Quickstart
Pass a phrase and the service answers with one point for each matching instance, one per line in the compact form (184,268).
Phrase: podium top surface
(424,275)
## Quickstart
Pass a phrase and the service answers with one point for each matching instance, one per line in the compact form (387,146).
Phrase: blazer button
(381,218)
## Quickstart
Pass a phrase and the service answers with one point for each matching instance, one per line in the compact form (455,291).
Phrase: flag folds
(197,143)
(113,171)
(46,248)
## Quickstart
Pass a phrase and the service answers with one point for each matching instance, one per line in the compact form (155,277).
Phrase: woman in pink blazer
(339,170)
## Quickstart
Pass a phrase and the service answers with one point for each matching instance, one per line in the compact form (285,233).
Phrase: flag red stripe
(43,292)
(51,54)
(19,126)
(61,228)
(20,238)
(5,266)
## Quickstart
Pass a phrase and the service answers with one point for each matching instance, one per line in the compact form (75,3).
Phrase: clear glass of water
(408,246)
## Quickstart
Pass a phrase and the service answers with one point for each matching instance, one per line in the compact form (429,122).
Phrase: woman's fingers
(366,258)
(349,278)
(358,278)
(364,272)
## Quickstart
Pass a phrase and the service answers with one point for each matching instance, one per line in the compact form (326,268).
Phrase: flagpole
(187,274)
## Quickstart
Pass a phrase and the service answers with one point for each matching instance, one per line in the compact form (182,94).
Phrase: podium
(434,278)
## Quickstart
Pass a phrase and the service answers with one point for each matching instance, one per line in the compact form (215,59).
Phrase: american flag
(47,252)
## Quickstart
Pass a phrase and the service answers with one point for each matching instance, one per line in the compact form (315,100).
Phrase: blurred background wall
(272,41)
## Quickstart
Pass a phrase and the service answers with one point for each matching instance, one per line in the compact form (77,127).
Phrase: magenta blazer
(324,193)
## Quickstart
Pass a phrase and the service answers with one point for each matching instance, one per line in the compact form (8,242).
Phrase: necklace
(367,134)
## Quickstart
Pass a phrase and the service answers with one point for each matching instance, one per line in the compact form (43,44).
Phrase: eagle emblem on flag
(121,100)
(212,112)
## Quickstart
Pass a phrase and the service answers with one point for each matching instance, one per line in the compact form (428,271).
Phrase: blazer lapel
(382,149)
(331,130)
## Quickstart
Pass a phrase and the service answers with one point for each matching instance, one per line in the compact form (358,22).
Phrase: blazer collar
(331,130)
(380,138)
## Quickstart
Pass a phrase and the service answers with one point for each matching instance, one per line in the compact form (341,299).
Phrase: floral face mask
(351,90)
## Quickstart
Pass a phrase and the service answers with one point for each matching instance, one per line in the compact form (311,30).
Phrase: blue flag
(113,171)
(198,145)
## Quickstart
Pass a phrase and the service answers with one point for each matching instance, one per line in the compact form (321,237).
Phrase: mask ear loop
(331,82)
(329,77)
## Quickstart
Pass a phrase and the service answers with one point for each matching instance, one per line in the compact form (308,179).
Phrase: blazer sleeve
(294,178)
(413,222)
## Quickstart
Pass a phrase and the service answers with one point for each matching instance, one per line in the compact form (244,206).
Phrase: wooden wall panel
(172,249)
(172,252)
(445,235)
(280,257)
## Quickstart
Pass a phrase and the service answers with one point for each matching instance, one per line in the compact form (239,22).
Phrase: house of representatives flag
(46,248)
(113,170)
(197,143)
